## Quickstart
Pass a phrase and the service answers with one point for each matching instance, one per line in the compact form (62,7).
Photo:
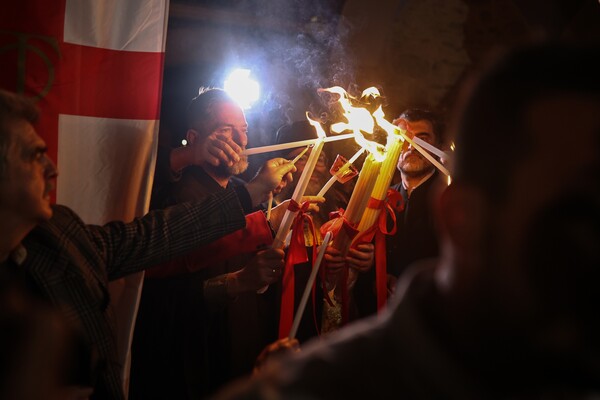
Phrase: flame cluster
(359,120)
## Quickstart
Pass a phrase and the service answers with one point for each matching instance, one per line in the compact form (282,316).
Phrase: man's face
(30,175)
(544,238)
(411,162)
(229,122)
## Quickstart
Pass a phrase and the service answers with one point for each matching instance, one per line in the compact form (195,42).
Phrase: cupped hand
(335,261)
(265,268)
(361,257)
(273,176)
(215,150)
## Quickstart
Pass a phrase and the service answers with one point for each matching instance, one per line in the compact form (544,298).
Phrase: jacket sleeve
(163,234)
(255,236)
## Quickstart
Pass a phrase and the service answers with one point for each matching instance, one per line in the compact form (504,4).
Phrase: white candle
(309,285)
(311,163)
(430,147)
(426,155)
(291,145)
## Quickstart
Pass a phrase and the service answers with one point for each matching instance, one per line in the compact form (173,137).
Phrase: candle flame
(393,131)
(320,131)
(372,91)
(359,120)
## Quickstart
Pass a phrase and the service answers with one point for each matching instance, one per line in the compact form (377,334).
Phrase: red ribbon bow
(393,203)
(337,222)
(296,254)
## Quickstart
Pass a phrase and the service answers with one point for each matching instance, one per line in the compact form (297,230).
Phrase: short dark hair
(201,107)
(13,107)
(434,118)
(498,101)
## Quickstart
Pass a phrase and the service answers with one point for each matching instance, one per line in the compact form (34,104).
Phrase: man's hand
(274,175)
(361,258)
(278,212)
(217,150)
(214,150)
(263,269)
(335,261)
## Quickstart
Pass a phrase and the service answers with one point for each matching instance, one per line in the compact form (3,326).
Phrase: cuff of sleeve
(257,235)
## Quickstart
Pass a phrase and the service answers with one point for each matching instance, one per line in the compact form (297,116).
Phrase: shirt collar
(425,178)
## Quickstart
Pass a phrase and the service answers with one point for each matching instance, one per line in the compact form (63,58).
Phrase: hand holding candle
(273,176)
(278,211)
(293,162)
(311,163)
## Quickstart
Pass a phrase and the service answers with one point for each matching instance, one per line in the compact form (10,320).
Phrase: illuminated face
(412,162)
(229,122)
(30,176)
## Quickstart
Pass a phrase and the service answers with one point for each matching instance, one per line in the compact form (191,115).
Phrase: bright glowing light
(358,120)
(242,88)
(184,142)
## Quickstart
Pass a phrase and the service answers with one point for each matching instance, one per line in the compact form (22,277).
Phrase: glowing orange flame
(359,120)
(372,91)
(320,131)
(393,131)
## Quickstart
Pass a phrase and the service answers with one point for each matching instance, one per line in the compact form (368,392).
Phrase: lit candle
(288,217)
(388,168)
(358,201)
(293,162)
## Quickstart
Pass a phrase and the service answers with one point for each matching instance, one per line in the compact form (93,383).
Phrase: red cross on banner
(83,80)
(95,70)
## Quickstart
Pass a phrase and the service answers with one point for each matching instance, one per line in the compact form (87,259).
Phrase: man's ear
(191,136)
(461,215)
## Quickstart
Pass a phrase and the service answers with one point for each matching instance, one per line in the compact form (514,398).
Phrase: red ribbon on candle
(393,203)
(296,254)
(337,222)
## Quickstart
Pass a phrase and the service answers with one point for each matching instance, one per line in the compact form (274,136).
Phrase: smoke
(308,54)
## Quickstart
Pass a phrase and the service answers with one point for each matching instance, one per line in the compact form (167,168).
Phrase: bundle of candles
(374,179)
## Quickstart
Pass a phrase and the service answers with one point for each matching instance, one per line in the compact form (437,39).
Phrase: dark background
(416,51)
